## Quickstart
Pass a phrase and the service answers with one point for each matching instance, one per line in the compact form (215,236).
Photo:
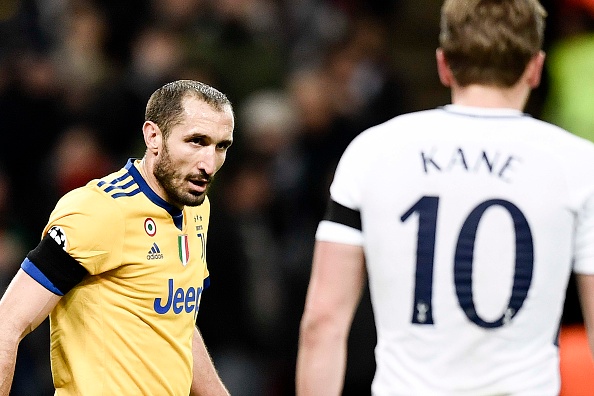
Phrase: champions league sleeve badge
(58,235)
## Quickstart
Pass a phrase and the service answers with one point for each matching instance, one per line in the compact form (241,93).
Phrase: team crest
(183,248)
(58,235)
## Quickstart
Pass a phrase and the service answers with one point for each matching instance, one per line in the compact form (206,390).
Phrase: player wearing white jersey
(467,220)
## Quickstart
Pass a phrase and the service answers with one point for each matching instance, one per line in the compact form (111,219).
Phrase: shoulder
(84,199)
(87,210)
(557,140)
(392,134)
(400,126)
(93,203)
(107,193)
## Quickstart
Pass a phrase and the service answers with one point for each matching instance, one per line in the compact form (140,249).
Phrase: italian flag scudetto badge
(184,251)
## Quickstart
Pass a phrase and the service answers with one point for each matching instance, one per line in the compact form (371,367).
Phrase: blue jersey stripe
(29,267)
(127,194)
(121,178)
(116,180)
(122,187)
(113,186)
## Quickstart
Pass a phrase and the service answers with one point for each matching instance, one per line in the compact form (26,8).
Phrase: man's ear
(443,69)
(153,138)
(534,69)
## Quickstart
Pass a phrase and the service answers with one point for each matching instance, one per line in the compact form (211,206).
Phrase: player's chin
(195,198)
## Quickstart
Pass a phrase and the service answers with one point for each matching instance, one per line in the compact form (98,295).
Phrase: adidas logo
(154,253)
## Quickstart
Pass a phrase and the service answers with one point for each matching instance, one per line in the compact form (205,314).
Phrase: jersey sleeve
(90,228)
(584,239)
(342,221)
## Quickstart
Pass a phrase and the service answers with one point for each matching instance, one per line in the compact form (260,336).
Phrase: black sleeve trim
(57,265)
(341,214)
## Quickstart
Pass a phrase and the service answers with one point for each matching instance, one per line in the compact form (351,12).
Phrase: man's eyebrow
(209,138)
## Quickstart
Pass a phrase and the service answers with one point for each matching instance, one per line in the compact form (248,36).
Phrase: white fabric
(335,232)
(458,159)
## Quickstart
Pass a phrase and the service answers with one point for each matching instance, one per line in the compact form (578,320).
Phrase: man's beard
(172,182)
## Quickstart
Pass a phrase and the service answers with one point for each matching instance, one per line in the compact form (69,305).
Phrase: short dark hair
(165,106)
(490,42)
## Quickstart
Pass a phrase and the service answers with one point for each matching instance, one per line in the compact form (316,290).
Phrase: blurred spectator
(32,116)
(381,91)
(179,15)
(243,42)
(118,108)
(313,26)
(81,54)
(125,19)
(323,133)
(77,158)
(19,28)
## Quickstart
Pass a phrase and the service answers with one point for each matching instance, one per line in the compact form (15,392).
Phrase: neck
(491,97)
(143,170)
(146,171)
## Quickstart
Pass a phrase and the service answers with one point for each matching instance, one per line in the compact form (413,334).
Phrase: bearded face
(188,155)
(177,185)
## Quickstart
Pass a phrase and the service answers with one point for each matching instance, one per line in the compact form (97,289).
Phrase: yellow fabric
(127,328)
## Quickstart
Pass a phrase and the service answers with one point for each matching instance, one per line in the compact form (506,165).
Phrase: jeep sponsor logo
(179,300)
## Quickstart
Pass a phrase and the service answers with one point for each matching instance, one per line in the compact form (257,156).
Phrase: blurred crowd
(305,77)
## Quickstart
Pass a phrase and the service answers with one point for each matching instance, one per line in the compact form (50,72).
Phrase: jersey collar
(175,212)
(483,111)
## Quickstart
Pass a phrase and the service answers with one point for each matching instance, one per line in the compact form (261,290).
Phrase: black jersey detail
(341,214)
(60,268)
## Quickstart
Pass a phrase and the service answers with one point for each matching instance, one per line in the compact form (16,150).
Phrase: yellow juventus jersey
(127,328)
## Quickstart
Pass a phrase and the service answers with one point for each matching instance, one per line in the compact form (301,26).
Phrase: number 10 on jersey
(427,210)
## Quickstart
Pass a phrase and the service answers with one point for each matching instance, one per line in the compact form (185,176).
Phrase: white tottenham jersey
(471,221)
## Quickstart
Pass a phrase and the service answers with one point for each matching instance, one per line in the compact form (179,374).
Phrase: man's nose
(207,161)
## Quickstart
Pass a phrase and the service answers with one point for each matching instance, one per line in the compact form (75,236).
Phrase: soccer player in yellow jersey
(121,265)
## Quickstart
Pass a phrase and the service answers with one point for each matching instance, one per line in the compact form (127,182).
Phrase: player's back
(469,220)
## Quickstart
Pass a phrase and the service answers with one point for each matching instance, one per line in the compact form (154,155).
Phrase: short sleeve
(347,183)
(584,240)
(92,228)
